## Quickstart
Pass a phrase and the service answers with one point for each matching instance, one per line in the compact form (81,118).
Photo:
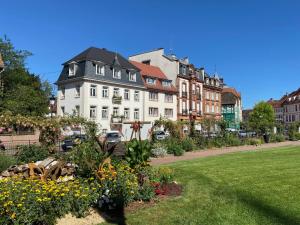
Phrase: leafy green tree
(262,118)
(23,92)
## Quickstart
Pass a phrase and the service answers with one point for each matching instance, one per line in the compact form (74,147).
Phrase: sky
(254,45)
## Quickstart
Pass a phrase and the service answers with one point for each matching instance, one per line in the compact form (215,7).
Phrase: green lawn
(247,188)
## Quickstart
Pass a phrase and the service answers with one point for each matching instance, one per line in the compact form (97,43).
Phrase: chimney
(202,73)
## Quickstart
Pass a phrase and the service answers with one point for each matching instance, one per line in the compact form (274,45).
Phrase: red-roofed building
(160,95)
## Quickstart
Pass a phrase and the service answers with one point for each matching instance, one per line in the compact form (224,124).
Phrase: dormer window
(207,81)
(99,70)
(217,83)
(166,83)
(132,76)
(150,81)
(116,73)
(72,68)
(183,69)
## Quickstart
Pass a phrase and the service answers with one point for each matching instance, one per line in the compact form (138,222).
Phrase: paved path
(219,151)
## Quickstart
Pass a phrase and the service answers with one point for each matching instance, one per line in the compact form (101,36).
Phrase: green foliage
(165,174)
(137,152)
(172,127)
(6,161)
(36,202)
(262,118)
(173,146)
(187,144)
(277,138)
(146,192)
(293,131)
(23,92)
(208,125)
(31,153)
(158,150)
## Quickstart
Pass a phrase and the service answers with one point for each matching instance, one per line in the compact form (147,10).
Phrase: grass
(248,188)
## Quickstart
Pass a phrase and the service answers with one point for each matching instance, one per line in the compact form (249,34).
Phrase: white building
(160,96)
(102,86)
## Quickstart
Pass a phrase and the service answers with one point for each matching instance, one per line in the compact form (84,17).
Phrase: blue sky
(255,45)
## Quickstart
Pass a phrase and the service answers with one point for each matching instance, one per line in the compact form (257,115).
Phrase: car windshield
(112,135)
(160,133)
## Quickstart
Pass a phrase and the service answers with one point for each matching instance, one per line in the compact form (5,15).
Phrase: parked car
(113,137)
(160,135)
(72,141)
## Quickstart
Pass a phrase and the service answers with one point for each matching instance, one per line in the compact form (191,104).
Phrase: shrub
(187,144)
(6,161)
(200,141)
(231,140)
(165,175)
(37,202)
(177,150)
(146,192)
(173,146)
(138,152)
(277,138)
(32,153)
(255,141)
(158,150)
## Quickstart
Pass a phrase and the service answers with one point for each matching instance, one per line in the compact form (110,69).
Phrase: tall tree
(23,92)
(262,118)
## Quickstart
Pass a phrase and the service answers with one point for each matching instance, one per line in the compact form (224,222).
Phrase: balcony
(117,99)
(184,94)
(116,119)
(184,112)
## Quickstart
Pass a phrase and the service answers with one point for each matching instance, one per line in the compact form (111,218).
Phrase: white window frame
(169,110)
(93,90)
(166,83)
(100,71)
(116,92)
(77,91)
(104,109)
(116,73)
(62,109)
(168,98)
(63,93)
(151,96)
(136,96)
(72,72)
(153,111)
(136,114)
(116,111)
(132,76)
(127,113)
(127,93)
(94,112)
(105,92)
(150,81)
(77,110)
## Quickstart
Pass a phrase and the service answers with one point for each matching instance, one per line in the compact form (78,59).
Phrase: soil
(94,218)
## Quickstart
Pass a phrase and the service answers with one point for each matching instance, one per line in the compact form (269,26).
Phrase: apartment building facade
(187,80)
(102,86)
(160,95)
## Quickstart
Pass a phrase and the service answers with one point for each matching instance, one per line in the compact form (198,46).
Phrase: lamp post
(191,123)
(52,103)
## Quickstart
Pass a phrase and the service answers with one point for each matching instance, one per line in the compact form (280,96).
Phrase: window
(126,113)
(153,96)
(207,81)
(104,92)
(72,69)
(62,109)
(136,114)
(116,92)
(126,94)
(168,113)
(198,107)
(116,111)
(198,90)
(104,131)
(193,89)
(132,76)
(77,110)
(136,96)
(207,108)
(213,96)
(77,91)
(183,70)
(150,81)
(147,62)
(153,111)
(63,91)
(217,83)
(207,95)
(213,109)
(217,109)
(93,112)
(217,96)
(166,83)
(93,90)
(184,87)
(116,73)
(99,70)
(104,113)
(193,105)
(168,98)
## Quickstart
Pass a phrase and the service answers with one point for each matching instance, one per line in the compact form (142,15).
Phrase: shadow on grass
(116,216)
(275,214)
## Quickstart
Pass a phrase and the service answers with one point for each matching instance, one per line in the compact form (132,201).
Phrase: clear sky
(254,45)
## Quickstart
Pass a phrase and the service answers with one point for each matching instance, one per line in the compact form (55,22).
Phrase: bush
(165,175)
(146,192)
(36,202)
(277,138)
(173,146)
(255,141)
(6,161)
(187,144)
(232,140)
(158,150)
(138,152)
(31,153)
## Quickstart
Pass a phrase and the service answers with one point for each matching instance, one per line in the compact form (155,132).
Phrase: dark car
(113,137)
(72,141)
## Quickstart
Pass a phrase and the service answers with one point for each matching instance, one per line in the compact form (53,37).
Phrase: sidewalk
(219,151)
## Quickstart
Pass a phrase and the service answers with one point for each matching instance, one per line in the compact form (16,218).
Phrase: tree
(23,93)
(262,118)
(208,125)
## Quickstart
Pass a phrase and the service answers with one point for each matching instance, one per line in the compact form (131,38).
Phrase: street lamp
(191,123)
(52,104)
